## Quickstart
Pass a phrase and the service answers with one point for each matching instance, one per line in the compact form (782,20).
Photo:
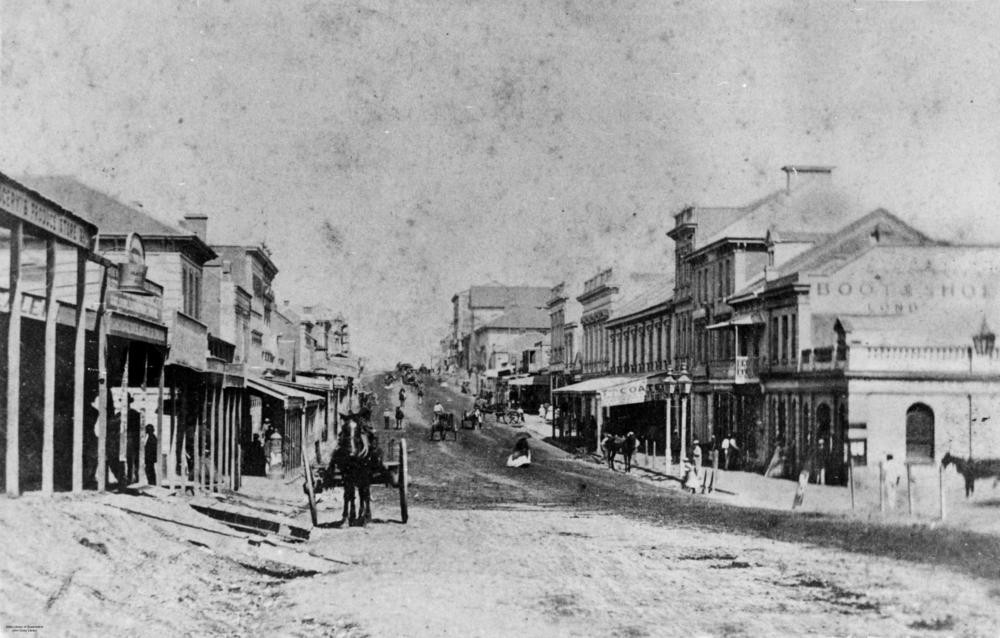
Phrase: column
(49,381)
(79,368)
(13,472)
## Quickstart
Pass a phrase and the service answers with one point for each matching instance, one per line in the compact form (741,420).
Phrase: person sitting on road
(521,454)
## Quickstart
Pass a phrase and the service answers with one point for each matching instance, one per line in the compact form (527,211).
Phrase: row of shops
(133,352)
(811,334)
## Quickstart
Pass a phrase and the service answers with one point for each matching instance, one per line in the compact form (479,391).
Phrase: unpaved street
(565,547)
(561,548)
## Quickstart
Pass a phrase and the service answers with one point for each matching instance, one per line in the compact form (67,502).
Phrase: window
(784,338)
(793,354)
(190,292)
(774,338)
(919,433)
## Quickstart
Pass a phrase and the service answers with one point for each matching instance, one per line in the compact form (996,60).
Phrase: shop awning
(538,379)
(740,320)
(317,389)
(592,386)
(633,391)
(290,397)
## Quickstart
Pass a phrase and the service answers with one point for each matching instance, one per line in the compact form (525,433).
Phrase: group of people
(721,455)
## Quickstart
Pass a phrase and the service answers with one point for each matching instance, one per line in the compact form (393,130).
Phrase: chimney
(198,224)
(797,174)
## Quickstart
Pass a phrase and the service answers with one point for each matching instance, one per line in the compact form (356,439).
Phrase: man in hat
(150,452)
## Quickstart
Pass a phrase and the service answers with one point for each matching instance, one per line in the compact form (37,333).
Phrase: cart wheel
(403,479)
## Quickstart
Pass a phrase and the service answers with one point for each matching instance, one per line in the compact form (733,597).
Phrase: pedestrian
(399,418)
(420,395)
(387,417)
(150,452)
(256,460)
(402,396)
(696,453)
(729,451)
(713,464)
(132,436)
(891,476)
(692,476)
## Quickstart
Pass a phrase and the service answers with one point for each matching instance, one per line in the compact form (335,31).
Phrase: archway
(919,433)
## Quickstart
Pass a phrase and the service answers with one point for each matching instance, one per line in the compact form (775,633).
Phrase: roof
(525,342)
(805,213)
(111,216)
(521,319)
(846,245)
(507,296)
(651,295)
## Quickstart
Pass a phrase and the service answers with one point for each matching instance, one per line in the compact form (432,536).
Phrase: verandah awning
(592,386)
(538,379)
(290,397)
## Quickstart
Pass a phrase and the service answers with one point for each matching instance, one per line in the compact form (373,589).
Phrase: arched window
(919,433)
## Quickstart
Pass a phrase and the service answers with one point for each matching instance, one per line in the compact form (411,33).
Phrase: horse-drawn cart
(389,469)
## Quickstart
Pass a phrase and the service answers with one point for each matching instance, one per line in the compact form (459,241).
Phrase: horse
(611,446)
(629,444)
(972,469)
(624,445)
(443,422)
(354,458)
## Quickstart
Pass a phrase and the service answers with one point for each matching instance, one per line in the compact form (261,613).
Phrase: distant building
(479,305)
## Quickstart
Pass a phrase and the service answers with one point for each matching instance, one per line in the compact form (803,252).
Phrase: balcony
(823,359)
(188,341)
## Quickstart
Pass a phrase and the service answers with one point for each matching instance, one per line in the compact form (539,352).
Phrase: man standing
(132,436)
(399,417)
(420,395)
(150,452)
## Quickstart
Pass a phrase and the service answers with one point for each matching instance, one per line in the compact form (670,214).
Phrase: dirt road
(563,547)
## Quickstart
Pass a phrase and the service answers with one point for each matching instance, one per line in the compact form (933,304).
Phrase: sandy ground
(563,547)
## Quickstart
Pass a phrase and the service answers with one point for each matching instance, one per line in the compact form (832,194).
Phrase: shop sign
(631,392)
(132,272)
(38,214)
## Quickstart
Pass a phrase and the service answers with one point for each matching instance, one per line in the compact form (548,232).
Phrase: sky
(394,153)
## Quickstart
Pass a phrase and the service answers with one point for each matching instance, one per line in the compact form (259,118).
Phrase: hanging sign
(132,272)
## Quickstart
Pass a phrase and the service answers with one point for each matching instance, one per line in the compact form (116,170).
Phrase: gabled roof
(508,296)
(521,319)
(848,244)
(806,213)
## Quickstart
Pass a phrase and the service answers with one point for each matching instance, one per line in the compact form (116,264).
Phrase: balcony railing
(746,370)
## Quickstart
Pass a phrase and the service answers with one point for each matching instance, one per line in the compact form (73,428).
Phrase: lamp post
(671,384)
(684,385)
